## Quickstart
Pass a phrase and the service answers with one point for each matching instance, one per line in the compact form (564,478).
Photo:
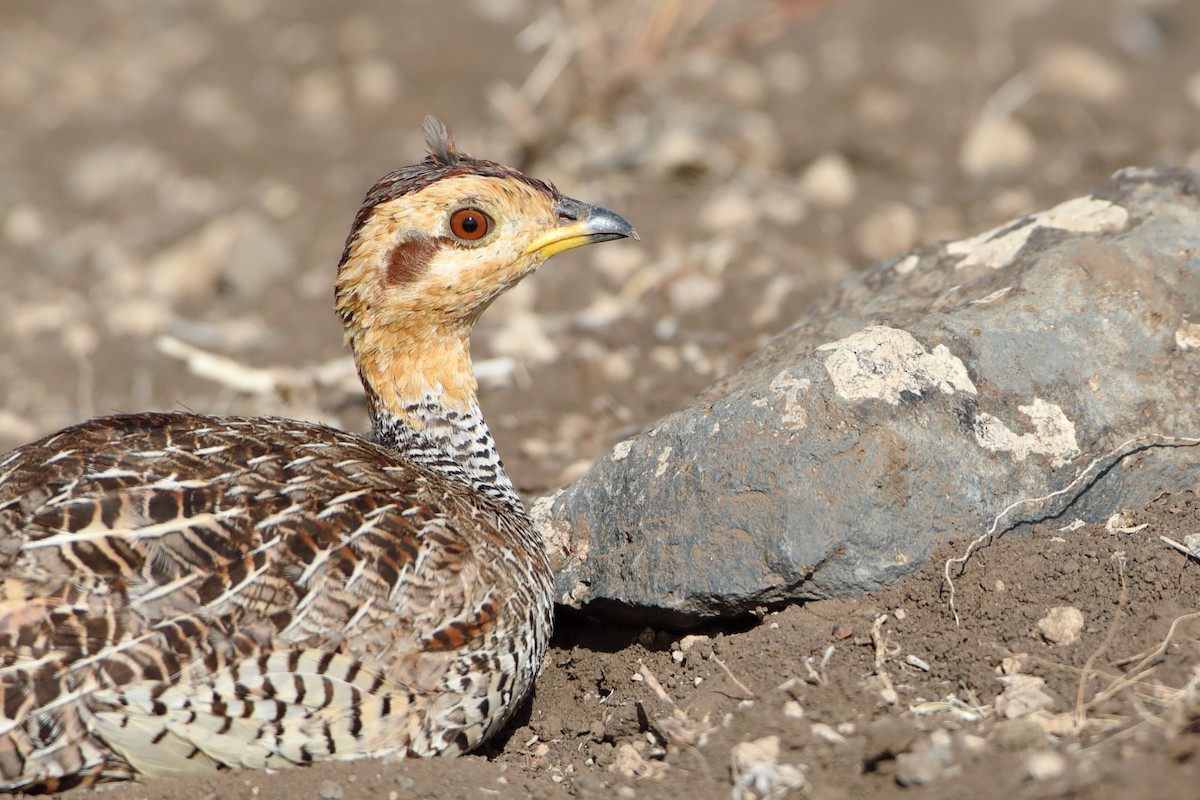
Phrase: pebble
(617,263)
(693,291)
(829,182)
(927,762)
(757,773)
(1080,72)
(1045,765)
(996,146)
(1023,695)
(330,791)
(1018,734)
(827,733)
(679,150)
(889,230)
(729,209)
(1062,625)
(886,738)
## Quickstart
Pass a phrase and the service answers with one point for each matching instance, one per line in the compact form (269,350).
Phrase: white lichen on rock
(620,450)
(1187,336)
(1053,434)
(787,388)
(664,459)
(882,363)
(998,247)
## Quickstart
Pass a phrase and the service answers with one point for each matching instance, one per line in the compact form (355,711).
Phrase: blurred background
(177,179)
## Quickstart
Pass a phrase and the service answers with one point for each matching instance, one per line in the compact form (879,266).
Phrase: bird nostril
(569,210)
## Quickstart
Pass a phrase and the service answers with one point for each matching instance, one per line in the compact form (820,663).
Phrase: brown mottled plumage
(184,594)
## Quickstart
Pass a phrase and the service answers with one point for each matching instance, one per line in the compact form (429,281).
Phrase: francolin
(184,594)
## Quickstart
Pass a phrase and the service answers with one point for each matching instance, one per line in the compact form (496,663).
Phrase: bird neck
(421,395)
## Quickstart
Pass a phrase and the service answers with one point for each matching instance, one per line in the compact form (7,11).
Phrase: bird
(187,594)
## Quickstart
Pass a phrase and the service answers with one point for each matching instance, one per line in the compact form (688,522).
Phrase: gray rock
(919,399)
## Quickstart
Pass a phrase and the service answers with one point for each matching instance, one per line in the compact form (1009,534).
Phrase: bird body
(184,594)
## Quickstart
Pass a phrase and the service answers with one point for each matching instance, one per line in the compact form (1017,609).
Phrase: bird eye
(470,224)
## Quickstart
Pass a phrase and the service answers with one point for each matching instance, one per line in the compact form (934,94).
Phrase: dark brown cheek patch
(408,259)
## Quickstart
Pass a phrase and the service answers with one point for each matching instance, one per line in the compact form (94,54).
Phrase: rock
(1062,625)
(917,400)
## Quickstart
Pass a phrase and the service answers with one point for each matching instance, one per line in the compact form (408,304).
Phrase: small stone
(330,791)
(1062,625)
(1023,695)
(405,782)
(618,264)
(927,762)
(793,710)
(646,637)
(729,209)
(1045,765)
(1080,72)
(693,292)
(886,738)
(829,182)
(632,764)
(826,733)
(1018,735)
(996,146)
(889,230)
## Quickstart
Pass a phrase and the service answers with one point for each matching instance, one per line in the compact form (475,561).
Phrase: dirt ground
(178,179)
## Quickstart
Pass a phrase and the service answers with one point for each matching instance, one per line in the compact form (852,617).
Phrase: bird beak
(582,224)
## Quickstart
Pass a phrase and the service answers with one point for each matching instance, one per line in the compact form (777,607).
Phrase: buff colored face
(447,250)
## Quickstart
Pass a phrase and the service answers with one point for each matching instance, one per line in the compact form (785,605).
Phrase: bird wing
(161,569)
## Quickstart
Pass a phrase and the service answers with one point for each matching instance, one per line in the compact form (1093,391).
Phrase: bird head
(432,246)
